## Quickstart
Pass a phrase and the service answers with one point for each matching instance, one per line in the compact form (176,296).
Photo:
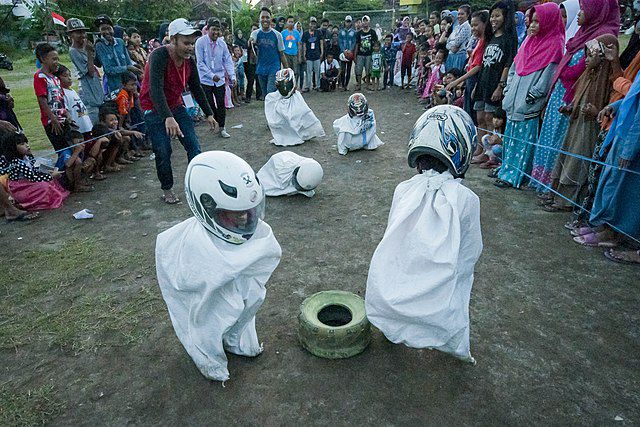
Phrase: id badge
(187,100)
(313,46)
(290,45)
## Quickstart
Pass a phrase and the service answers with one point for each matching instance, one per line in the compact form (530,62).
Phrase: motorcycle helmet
(447,133)
(308,175)
(286,82)
(224,195)
(358,105)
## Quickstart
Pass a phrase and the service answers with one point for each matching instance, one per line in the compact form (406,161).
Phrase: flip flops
(611,257)
(592,240)
(502,184)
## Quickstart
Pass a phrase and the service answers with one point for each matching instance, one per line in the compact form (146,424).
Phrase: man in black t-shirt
(365,38)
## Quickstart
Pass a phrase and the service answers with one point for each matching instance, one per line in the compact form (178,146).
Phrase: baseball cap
(348,18)
(313,19)
(182,27)
(366,18)
(75,24)
(102,19)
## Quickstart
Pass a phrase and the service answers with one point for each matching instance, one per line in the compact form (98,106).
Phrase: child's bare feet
(98,176)
(123,161)
(112,168)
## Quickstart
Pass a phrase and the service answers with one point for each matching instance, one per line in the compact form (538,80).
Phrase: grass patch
(33,407)
(68,298)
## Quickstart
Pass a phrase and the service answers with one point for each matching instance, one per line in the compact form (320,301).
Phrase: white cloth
(213,290)
(77,110)
(276,176)
(290,119)
(325,64)
(355,133)
(421,273)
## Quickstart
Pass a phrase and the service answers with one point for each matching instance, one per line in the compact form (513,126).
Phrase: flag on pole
(58,19)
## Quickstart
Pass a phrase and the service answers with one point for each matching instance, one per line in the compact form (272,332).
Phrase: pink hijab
(600,17)
(545,47)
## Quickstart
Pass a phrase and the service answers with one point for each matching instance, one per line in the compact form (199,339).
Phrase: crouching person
(357,129)
(434,224)
(287,173)
(212,268)
(289,117)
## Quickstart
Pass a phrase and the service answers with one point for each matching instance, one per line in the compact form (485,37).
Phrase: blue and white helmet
(447,133)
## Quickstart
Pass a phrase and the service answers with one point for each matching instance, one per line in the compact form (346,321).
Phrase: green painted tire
(334,325)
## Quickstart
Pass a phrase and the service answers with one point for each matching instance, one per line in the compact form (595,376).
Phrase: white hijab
(572,7)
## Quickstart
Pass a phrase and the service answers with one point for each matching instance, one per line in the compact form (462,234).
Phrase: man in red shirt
(169,87)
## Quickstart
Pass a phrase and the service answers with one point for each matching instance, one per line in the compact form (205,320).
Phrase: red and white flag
(58,19)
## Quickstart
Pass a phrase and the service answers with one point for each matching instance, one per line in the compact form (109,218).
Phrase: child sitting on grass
(112,138)
(125,100)
(30,188)
(492,142)
(441,95)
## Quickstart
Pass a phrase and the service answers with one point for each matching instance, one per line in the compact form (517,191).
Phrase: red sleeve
(39,85)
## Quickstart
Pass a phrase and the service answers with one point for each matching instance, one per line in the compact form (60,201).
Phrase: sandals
(24,216)
(502,184)
(554,207)
(609,254)
(170,199)
(493,173)
(592,240)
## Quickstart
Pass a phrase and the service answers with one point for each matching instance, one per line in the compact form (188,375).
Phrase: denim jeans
(267,81)
(312,66)
(161,142)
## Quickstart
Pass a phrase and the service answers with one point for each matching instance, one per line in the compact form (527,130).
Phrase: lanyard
(183,79)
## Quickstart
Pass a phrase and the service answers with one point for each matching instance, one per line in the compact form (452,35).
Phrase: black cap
(75,24)
(102,19)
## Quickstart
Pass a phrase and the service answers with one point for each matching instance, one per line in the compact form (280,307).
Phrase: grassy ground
(20,81)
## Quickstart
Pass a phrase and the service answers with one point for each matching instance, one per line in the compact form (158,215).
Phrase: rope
(578,156)
(89,140)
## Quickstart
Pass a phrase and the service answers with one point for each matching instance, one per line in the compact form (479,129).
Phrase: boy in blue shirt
(292,51)
(269,50)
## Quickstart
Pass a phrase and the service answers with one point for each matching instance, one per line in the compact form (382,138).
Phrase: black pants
(250,71)
(219,112)
(346,73)
(387,79)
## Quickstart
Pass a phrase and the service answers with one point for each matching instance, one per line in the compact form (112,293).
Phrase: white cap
(366,17)
(181,26)
(348,18)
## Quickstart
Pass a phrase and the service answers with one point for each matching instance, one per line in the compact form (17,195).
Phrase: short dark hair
(434,13)
(9,145)
(213,22)
(109,107)
(281,19)
(455,72)
(500,114)
(445,52)
(422,21)
(127,77)
(61,70)
(389,36)
(426,162)
(290,17)
(265,9)
(132,30)
(43,49)
(324,20)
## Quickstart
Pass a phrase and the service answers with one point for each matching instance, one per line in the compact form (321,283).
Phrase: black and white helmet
(447,133)
(225,196)
(286,82)
(358,105)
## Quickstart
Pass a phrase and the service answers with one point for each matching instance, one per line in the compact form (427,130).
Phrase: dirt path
(86,338)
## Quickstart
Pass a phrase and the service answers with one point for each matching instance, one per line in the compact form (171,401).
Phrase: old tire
(334,325)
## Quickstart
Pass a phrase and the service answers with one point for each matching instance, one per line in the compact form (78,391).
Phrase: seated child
(30,188)
(126,102)
(289,117)
(212,268)
(81,131)
(357,129)
(329,72)
(437,72)
(287,173)
(421,273)
(113,140)
(492,142)
(441,95)
(377,63)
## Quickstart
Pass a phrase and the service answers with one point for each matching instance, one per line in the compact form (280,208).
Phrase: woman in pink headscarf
(527,90)
(596,18)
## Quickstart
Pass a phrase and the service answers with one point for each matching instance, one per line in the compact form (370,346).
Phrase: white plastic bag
(290,119)
(276,176)
(355,133)
(421,273)
(213,290)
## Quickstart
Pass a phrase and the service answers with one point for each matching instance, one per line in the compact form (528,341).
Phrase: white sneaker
(224,133)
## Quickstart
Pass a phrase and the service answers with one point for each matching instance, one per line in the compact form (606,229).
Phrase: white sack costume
(355,133)
(213,290)
(420,278)
(276,176)
(290,119)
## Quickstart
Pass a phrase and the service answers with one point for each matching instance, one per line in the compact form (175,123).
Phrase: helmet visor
(239,222)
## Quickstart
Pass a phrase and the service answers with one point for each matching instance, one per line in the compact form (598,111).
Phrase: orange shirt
(125,102)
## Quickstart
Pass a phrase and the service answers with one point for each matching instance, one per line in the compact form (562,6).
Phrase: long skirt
(518,149)
(554,128)
(34,196)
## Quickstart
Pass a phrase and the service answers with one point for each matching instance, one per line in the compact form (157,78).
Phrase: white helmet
(286,82)
(447,133)
(308,175)
(224,194)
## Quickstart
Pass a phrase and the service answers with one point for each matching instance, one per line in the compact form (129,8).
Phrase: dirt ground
(85,337)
